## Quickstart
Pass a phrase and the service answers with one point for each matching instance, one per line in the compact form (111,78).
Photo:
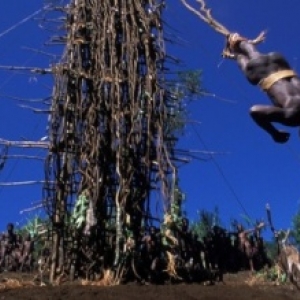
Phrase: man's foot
(281,137)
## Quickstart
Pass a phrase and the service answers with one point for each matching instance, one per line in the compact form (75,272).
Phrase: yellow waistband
(267,82)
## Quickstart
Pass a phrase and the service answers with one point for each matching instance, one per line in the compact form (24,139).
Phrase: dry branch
(40,52)
(204,14)
(22,156)
(25,144)
(36,110)
(42,100)
(17,183)
(41,71)
(26,210)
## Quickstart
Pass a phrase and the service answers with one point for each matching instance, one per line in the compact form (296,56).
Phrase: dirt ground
(237,286)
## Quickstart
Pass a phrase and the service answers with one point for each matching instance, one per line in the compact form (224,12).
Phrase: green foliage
(39,230)
(271,249)
(271,274)
(191,82)
(79,213)
(205,222)
(182,89)
(176,205)
(296,228)
(33,226)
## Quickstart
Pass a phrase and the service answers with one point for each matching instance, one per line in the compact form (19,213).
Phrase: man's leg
(264,115)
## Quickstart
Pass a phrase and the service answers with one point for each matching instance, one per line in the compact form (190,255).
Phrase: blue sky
(250,169)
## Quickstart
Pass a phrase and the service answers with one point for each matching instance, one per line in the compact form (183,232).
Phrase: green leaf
(79,212)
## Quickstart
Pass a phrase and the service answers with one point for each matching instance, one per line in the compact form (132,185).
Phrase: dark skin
(284,94)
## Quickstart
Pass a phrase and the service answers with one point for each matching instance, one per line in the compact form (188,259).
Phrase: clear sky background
(250,169)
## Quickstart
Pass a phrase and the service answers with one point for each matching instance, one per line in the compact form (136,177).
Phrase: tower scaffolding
(108,148)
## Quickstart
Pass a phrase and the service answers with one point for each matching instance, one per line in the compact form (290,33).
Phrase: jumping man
(270,71)
(273,74)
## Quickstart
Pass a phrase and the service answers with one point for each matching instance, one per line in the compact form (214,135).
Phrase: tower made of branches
(110,148)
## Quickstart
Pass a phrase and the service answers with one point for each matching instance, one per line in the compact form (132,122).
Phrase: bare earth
(235,287)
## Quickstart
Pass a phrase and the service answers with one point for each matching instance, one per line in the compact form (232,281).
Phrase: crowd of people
(16,250)
(194,259)
(218,252)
